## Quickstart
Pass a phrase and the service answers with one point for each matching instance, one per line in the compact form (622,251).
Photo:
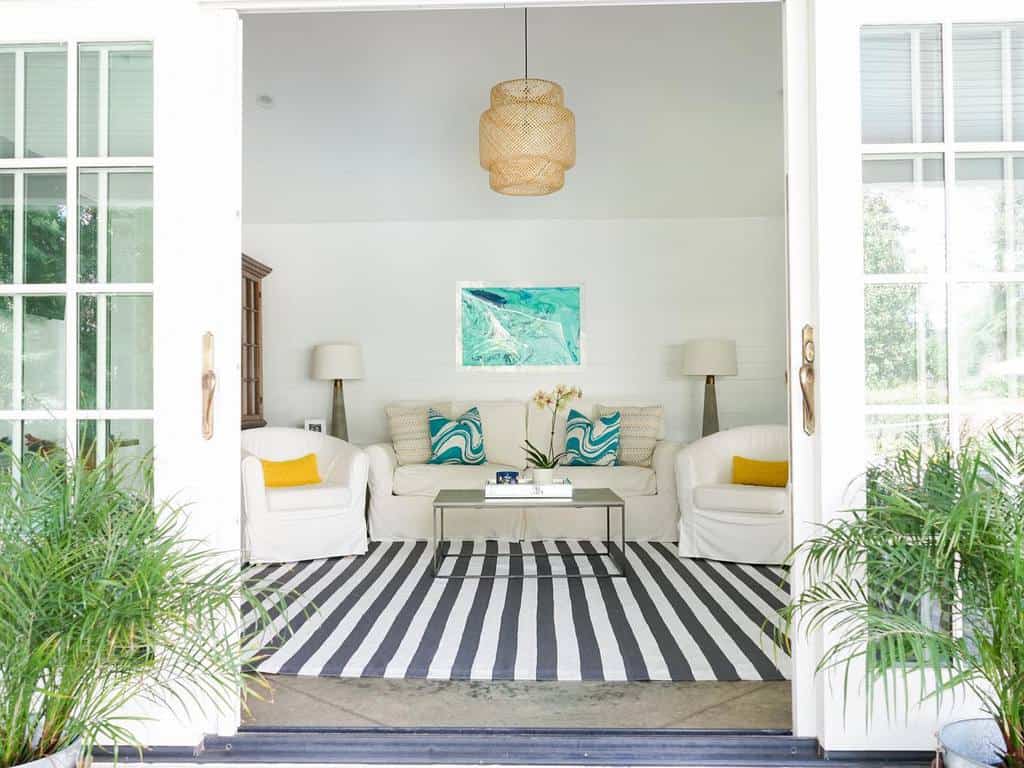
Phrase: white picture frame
(570,367)
(316,425)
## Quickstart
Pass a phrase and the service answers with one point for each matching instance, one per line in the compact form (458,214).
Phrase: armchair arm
(383,463)
(350,468)
(254,496)
(343,468)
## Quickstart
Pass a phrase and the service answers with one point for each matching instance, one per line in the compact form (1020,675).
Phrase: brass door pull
(807,378)
(209,380)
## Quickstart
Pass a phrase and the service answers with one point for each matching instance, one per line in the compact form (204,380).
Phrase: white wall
(363,192)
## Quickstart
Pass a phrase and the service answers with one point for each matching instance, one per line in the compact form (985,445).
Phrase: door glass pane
(887,433)
(88,102)
(88,225)
(115,342)
(905,344)
(6,227)
(6,103)
(46,80)
(43,357)
(989,213)
(40,439)
(128,440)
(6,352)
(130,228)
(45,227)
(7,449)
(131,103)
(125,255)
(904,215)
(1017,79)
(901,84)
(988,81)
(990,331)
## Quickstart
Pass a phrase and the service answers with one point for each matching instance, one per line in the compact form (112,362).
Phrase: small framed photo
(316,425)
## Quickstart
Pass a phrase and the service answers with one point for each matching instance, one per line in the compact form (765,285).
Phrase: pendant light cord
(526,47)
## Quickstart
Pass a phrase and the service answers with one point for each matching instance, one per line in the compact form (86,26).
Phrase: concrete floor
(313,701)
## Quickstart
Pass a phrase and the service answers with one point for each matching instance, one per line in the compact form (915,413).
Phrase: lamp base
(339,424)
(710,408)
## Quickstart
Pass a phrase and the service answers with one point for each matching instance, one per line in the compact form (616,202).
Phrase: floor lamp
(337,362)
(709,358)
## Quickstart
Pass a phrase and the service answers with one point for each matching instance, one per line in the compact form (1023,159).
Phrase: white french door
(120,182)
(907,256)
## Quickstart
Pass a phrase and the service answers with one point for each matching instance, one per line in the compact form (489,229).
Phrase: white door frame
(196,165)
(837,279)
(807,690)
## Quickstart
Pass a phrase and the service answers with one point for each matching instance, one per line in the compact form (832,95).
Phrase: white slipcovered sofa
(305,521)
(401,496)
(736,523)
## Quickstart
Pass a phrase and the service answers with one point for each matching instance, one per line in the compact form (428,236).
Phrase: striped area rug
(384,614)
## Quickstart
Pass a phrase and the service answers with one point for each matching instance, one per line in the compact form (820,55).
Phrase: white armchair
(307,521)
(736,523)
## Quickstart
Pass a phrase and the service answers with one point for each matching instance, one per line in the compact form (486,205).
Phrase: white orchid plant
(556,400)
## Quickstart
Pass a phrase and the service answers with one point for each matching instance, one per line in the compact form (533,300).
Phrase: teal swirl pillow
(456,441)
(591,444)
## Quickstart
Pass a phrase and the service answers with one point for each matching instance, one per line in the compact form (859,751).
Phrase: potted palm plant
(103,600)
(941,535)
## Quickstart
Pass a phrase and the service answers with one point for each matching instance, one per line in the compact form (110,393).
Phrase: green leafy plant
(555,400)
(941,534)
(103,599)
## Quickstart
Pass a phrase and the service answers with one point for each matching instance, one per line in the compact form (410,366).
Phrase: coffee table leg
(623,566)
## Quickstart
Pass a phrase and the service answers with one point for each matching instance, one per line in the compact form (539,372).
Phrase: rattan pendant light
(527,137)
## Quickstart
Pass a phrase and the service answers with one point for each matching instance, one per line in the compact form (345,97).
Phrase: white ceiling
(374,115)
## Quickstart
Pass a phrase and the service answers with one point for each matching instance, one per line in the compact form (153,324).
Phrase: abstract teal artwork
(514,327)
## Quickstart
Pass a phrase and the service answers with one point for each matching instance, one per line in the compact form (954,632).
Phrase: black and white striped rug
(384,614)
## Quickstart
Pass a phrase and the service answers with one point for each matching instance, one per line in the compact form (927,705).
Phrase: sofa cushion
(319,496)
(410,434)
(456,441)
(504,423)
(625,481)
(726,497)
(591,443)
(639,429)
(428,479)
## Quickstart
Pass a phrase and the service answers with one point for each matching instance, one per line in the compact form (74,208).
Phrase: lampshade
(338,361)
(527,137)
(709,357)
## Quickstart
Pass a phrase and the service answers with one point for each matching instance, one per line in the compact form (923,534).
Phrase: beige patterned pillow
(638,432)
(410,434)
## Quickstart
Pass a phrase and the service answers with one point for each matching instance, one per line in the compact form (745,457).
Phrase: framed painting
(518,326)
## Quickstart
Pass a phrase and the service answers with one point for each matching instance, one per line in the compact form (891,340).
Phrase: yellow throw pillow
(284,474)
(774,474)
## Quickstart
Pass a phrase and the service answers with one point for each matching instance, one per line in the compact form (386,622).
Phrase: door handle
(807,378)
(209,381)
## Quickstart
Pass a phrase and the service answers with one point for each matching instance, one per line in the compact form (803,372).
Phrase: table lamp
(338,362)
(709,358)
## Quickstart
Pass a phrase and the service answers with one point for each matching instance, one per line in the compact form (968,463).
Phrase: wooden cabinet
(253,273)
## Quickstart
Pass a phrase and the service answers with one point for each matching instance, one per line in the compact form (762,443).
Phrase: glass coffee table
(473,498)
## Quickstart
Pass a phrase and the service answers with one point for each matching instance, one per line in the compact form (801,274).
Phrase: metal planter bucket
(66,758)
(971,744)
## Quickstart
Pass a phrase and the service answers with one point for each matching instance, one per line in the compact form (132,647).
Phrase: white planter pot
(543,476)
(976,743)
(66,758)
